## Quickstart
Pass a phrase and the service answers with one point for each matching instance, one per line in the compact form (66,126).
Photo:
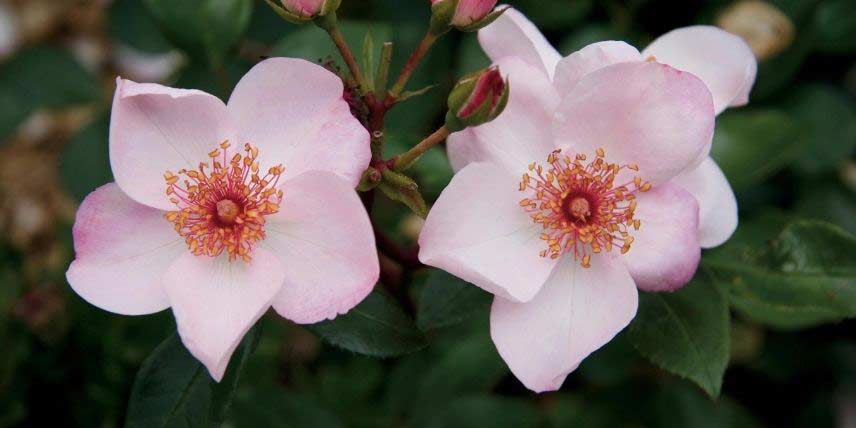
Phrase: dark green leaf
(835,25)
(41,77)
(277,407)
(779,71)
(750,146)
(678,406)
(173,389)
(85,161)
(555,14)
(203,28)
(829,127)
(132,24)
(829,200)
(485,411)
(446,300)
(685,332)
(377,327)
(470,366)
(804,277)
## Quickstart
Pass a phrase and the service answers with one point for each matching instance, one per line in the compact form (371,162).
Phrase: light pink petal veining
(478,232)
(323,235)
(295,113)
(576,312)
(721,59)
(122,249)
(666,252)
(717,204)
(215,302)
(154,128)
(645,113)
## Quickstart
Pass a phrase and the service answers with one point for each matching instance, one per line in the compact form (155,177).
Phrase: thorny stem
(412,63)
(407,159)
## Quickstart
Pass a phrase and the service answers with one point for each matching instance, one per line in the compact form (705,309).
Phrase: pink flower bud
(489,88)
(304,8)
(476,99)
(469,12)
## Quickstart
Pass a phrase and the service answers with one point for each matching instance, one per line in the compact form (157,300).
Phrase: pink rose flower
(470,11)
(304,8)
(221,211)
(594,181)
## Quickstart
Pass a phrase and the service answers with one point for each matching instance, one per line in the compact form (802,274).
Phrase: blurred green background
(789,155)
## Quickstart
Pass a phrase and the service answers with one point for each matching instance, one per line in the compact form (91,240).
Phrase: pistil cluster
(579,206)
(222,207)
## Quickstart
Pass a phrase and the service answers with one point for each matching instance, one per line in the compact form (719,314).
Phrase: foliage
(763,335)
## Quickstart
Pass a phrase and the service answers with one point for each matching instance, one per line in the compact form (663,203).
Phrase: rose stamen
(579,206)
(224,208)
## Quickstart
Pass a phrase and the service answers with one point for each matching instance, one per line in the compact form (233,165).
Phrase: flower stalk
(410,157)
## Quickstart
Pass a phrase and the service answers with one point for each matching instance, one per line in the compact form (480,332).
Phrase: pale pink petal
(665,252)
(478,232)
(645,113)
(591,58)
(122,249)
(215,302)
(323,234)
(721,59)
(521,134)
(154,129)
(293,111)
(716,201)
(576,312)
(513,35)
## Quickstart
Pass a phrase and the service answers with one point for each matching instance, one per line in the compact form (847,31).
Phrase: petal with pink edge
(323,234)
(154,129)
(645,113)
(721,59)
(514,35)
(576,312)
(591,58)
(665,253)
(716,201)
(293,111)
(215,302)
(478,232)
(122,249)
(521,134)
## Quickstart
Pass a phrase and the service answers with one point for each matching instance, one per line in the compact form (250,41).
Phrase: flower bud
(464,15)
(304,8)
(301,11)
(477,99)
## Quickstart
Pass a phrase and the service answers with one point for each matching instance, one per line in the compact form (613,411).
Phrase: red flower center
(224,209)
(579,206)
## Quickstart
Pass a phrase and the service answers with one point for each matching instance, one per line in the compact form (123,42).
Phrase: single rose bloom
(221,211)
(593,182)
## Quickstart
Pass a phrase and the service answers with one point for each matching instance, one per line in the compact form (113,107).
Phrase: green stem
(332,29)
(407,159)
(412,63)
